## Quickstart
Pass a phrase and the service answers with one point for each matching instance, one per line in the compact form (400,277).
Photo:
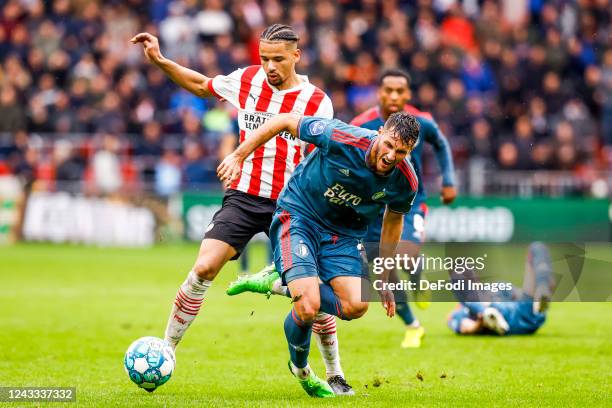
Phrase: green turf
(67,314)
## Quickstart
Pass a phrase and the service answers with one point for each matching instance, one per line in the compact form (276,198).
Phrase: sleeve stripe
(246,80)
(351,136)
(356,141)
(409,173)
(361,143)
(211,88)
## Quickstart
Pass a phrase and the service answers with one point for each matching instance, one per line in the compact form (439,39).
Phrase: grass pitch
(68,313)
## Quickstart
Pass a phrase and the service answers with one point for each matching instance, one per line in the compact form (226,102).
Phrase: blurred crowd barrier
(70,215)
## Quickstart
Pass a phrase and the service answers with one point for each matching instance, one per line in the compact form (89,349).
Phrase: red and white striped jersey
(266,171)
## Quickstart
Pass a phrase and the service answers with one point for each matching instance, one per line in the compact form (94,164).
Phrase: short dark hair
(280,32)
(405,125)
(394,72)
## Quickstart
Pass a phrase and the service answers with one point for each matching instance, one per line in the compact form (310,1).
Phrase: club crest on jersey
(316,128)
(301,250)
(379,195)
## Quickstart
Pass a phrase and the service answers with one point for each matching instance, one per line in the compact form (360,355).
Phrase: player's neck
(384,114)
(292,81)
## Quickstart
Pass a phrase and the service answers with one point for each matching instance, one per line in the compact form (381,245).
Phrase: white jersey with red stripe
(266,171)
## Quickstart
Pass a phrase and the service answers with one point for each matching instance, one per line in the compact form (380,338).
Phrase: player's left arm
(444,157)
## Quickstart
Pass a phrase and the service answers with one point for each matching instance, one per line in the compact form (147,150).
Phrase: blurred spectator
(106,166)
(524,142)
(515,70)
(508,156)
(481,139)
(477,76)
(213,20)
(149,150)
(168,173)
(12,113)
(177,32)
(196,171)
(606,94)
(68,166)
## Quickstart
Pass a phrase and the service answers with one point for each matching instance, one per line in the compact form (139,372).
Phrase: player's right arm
(193,81)
(390,235)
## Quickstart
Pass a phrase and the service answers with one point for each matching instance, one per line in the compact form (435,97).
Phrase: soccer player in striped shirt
(324,212)
(258,92)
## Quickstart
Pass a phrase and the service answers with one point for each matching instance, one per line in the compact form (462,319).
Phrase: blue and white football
(149,362)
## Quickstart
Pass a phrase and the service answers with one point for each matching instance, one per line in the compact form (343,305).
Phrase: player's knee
(306,309)
(205,270)
(354,309)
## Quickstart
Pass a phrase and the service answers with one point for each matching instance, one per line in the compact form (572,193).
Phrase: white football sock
(324,329)
(415,324)
(301,373)
(278,288)
(187,302)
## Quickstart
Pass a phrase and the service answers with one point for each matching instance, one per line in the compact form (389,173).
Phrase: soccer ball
(149,362)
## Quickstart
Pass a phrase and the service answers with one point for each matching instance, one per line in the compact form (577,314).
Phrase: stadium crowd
(519,84)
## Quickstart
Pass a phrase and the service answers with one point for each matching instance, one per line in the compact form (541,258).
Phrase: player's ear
(297,54)
(380,130)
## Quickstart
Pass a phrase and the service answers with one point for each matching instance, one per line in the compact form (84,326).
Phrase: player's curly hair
(405,125)
(280,32)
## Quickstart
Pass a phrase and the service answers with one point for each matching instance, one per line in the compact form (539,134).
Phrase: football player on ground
(512,312)
(393,96)
(258,92)
(324,212)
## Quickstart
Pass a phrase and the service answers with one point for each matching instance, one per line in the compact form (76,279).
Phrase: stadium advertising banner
(509,219)
(62,217)
(470,219)
(10,208)
(198,210)
(8,219)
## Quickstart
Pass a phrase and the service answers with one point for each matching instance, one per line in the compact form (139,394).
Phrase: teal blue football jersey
(335,187)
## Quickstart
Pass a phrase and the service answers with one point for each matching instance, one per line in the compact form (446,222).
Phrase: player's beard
(376,158)
(275,80)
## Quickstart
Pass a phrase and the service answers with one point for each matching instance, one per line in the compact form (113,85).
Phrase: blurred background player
(393,95)
(258,92)
(512,312)
(324,212)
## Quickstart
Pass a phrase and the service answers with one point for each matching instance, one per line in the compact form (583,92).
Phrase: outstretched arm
(186,78)
(392,225)
(229,169)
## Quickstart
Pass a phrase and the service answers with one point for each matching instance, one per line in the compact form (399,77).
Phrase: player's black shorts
(241,216)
